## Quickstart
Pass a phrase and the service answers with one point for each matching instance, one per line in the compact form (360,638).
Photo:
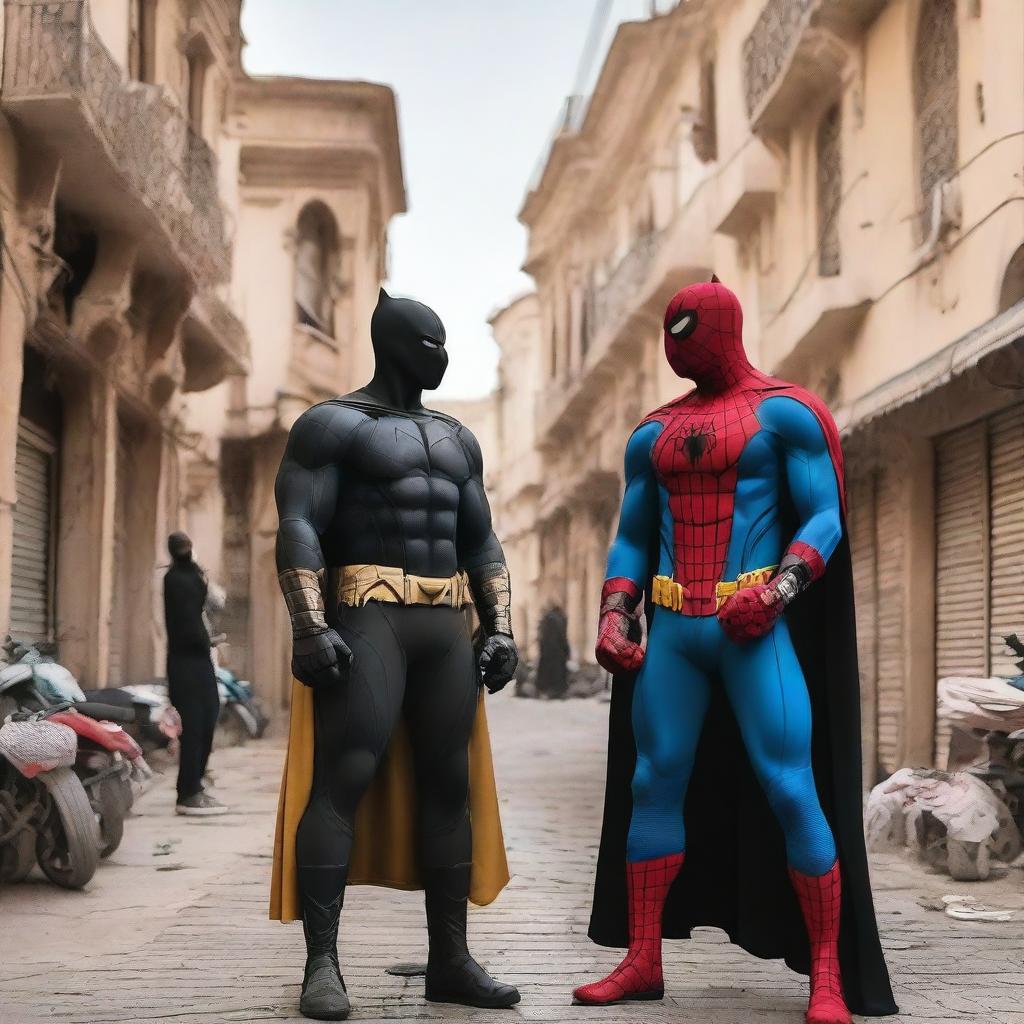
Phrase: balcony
(315,366)
(819,324)
(629,307)
(796,49)
(130,160)
(215,343)
(747,188)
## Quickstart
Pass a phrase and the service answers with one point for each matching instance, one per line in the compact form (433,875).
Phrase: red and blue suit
(703,532)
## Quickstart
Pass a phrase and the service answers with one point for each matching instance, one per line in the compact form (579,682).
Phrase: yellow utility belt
(358,584)
(666,592)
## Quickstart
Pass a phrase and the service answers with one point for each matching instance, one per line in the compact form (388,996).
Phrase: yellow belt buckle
(667,592)
(725,590)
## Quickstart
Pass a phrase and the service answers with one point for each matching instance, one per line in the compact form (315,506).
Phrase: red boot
(819,898)
(639,975)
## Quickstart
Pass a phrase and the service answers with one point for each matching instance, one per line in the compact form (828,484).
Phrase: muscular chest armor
(696,460)
(398,501)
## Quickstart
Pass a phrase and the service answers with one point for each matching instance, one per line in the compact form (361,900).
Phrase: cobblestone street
(179,932)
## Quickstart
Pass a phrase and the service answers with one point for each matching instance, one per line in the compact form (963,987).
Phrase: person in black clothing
(389,495)
(191,681)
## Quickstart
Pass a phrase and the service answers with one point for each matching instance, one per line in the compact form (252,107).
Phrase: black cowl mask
(408,342)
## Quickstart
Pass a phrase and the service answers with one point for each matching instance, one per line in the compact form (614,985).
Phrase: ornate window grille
(830,190)
(936,59)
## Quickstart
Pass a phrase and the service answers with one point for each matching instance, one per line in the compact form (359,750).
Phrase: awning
(950,362)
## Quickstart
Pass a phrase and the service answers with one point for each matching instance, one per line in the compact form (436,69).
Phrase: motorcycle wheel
(231,731)
(68,843)
(109,805)
(18,857)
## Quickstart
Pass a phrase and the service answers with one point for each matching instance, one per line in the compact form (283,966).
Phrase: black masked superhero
(385,540)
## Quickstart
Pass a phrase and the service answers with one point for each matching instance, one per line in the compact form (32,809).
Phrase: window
(705,132)
(935,99)
(197,59)
(829,190)
(196,80)
(316,261)
(141,41)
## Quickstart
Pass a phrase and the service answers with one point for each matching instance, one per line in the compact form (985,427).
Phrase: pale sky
(479,86)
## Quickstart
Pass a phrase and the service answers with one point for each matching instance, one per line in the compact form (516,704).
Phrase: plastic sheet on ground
(989,704)
(952,821)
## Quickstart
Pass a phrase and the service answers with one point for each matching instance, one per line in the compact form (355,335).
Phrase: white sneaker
(202,805)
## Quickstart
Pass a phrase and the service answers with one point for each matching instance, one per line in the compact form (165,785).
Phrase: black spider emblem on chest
(697,441)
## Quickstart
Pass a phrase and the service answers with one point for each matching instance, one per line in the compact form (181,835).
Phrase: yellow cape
(384,850)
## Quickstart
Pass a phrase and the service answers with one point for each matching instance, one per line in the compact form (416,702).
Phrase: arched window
(705,130)
(830,190)
(935,99)
(196,61)
(316,259)
(1012,290)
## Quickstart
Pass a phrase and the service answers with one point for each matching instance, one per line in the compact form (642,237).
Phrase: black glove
(322,659)
(498,660)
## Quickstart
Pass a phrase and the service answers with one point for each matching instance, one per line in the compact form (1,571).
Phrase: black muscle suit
(375,478)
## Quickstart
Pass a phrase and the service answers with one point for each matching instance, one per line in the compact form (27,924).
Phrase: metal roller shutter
(961,554)
(890,647)
(961,532)
(862,530)
(31,565)
(1006,588)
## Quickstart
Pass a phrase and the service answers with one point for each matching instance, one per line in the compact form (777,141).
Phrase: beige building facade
(516,462)
(851,168)
(190,257)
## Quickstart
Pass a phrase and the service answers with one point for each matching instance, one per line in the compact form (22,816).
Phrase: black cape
(735,875)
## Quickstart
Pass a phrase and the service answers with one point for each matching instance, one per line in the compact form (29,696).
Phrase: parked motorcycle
(45,813)
(108,761)
(241,715)
(155,723)
(111,767)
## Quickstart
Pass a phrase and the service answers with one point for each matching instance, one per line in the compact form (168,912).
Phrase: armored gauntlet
(752,612)
(319,655)
(492,595)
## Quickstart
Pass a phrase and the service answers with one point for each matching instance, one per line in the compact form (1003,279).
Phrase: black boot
(323,988)
(453,976)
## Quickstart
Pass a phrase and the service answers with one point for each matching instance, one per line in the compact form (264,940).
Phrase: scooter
(241,715)
(111,767)
(155,722)
(45,813)
(108,761)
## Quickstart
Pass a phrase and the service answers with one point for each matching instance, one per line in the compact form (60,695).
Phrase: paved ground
(183,936)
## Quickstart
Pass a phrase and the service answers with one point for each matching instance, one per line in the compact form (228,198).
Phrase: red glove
(751,612)
(618,633)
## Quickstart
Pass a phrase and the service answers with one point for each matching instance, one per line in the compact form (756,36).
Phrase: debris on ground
(952,821)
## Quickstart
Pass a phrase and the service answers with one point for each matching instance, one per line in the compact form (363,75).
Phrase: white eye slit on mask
(685,324)
(430,343)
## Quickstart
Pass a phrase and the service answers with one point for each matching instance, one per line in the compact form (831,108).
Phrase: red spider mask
(704,335)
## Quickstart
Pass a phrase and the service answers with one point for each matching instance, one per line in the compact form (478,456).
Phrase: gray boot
(323,989)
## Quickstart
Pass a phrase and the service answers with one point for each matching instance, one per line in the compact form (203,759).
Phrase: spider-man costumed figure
(743,701)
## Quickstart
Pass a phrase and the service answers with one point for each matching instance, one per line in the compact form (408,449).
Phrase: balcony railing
(769,45)
(801,40)
(52,51)
(618,295)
